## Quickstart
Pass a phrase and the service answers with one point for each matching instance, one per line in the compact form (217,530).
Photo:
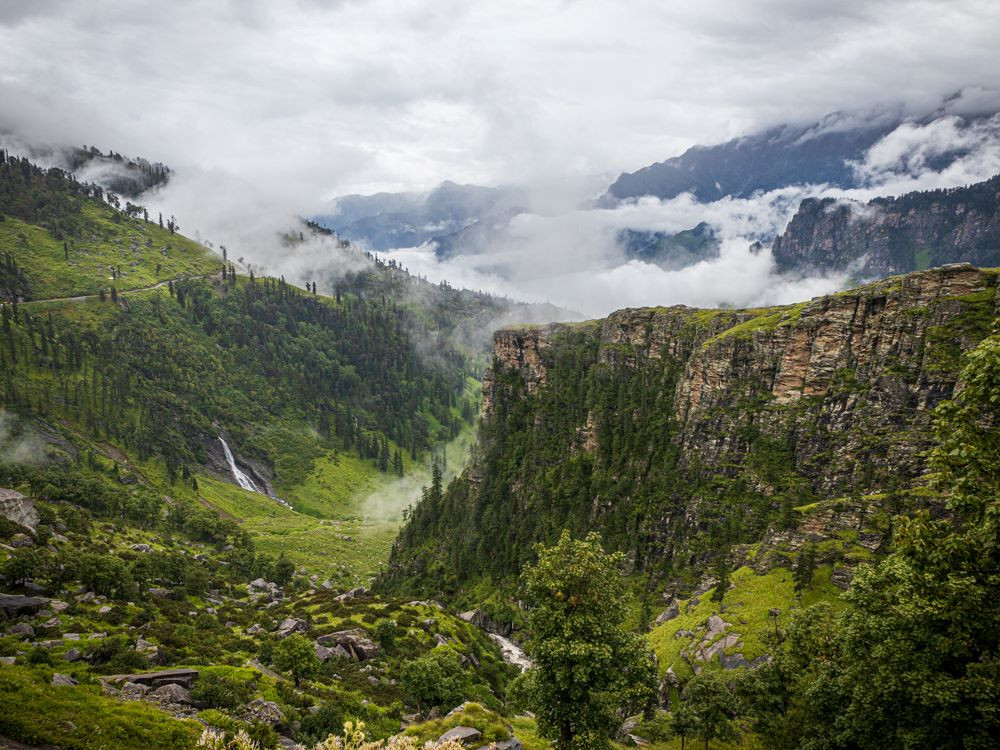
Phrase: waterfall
(241,479)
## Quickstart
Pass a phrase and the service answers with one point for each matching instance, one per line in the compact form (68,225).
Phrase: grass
(346,515)
(492,725)
(144,254)
(747,607)
(81,718)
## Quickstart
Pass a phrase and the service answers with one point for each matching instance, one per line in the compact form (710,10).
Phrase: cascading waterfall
(241,479)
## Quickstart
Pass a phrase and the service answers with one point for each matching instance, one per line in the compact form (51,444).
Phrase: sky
(266,110)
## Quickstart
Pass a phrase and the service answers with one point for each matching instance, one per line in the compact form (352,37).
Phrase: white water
(512,653)
(241,479)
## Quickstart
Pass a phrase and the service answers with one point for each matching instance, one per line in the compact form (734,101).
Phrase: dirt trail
(158,285)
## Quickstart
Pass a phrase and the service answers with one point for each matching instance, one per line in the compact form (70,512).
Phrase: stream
(512,653)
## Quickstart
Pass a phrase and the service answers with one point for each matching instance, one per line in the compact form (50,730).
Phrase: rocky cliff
(680,432)
(894,235)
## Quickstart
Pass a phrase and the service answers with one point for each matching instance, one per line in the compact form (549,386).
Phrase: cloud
(265,111)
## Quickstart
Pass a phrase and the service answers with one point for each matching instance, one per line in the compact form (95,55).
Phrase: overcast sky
(330,96)
(268,109)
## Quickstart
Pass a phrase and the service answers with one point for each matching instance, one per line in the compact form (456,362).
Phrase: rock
(104,609)
(264,711)
(289,626)
(159,591)
(53,622)
(22,629)
(63,679)
(72,655)
(327,584)
(460,734)
(512,744)
(352,594)
(183,677)
(8,660)
(21,540)
(323,653)
(71,636)
(670,613)
(716,625)
(627,728)
(88,596)
(142,644)
(287,743)
(441,640)
(15,605)
(18,508)
(355,642)
(133,691)
(254,629)
(172,693)
(34,588)
(733,661)
(141,548)
(58,606)
(842,577)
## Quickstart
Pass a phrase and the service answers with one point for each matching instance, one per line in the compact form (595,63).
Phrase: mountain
(824,152)
(681,433)
(388,220)
(895,234)
(671,251)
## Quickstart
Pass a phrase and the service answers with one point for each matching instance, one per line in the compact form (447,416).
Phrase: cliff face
(681,432)
(894,235)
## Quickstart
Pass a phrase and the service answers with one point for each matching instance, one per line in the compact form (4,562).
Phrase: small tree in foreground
(587,667)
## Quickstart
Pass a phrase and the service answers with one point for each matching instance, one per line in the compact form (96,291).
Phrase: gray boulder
(671,612)
(460,734)
(289,626)
(63,680)
(22,629)
(172,693)
(355,642)
(73,655)
(14,605)
(260,710)
(17,508)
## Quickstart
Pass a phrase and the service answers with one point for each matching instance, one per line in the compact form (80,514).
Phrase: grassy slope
(144,253)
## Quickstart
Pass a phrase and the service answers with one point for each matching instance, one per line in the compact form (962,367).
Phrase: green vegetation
(587,669)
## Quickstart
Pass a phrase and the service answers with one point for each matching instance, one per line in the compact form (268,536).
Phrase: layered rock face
(684,434)
(894,235)
(848,380)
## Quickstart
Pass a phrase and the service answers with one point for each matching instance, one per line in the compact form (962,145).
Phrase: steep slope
(894,235)
(681,434)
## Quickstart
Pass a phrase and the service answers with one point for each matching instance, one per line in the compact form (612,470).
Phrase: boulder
(352,594)
(73,655)
(323,653)
(159,591)
(63,679)
(18,508)
(8,660)
(21,540)
(289,626)
(670,613)
(733,661)
(183,677)
(172,693)
(14,605)
(355,642)
(627,728)
(133,691)
(716,625)
(53,622)
(104,609)
(58,606)
(88,596)
(512,744)
(460,734)
(141,548)
(260,710)
(22,629)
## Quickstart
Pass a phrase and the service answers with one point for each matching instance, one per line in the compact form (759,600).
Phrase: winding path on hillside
(158,285)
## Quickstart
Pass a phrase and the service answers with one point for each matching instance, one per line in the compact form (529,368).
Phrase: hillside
(684,435)
(894,235)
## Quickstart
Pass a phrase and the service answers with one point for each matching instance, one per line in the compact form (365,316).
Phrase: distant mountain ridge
(895,234)
(819,153)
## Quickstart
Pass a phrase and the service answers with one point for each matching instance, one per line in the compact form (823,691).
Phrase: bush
(223,691)
(385,633)
(435,679)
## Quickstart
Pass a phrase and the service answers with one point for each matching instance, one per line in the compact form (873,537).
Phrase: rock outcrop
(894,235)
(17,508)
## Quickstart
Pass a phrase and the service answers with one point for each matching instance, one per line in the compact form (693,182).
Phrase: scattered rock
(54,622)
(716,625)
(63,679)
(264,711)
(842,577)
(21,540)
(159,591)
(355,642)
(183,677)
(71,636)
(352,594)
(58,606)
(72,655)
(460,734)
(141,548)
(88,596)
(104,609)
(8,660)
(512,744)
